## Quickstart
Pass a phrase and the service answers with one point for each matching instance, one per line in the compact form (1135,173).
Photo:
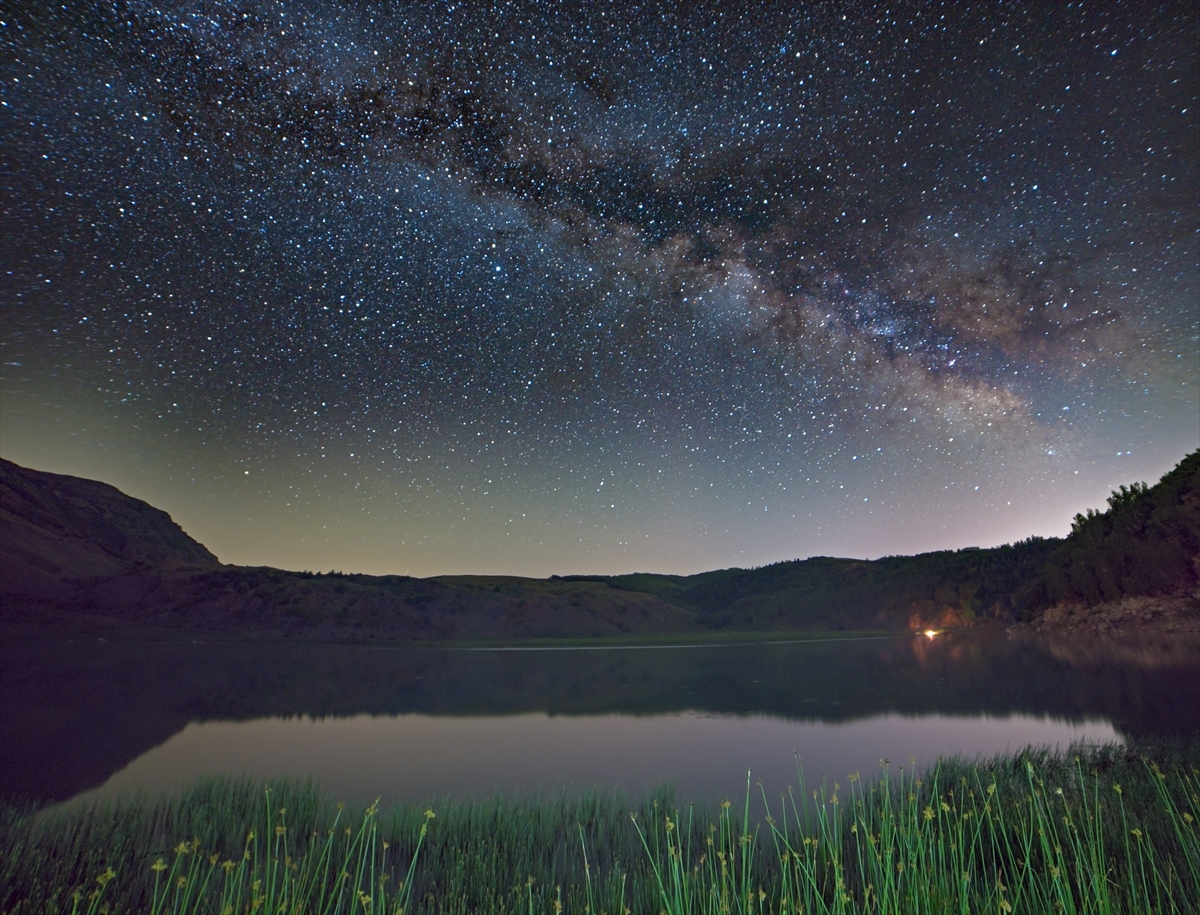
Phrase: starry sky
(547,288)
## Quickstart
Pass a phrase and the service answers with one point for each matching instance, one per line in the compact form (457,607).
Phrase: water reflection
(72,715)
(705,756)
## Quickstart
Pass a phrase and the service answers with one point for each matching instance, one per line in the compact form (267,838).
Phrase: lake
(91,718)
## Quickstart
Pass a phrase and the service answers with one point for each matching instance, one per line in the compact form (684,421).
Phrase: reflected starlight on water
(704,756)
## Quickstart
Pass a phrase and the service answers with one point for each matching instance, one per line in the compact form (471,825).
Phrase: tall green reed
(1035,832)
(1091,831)
(282,864)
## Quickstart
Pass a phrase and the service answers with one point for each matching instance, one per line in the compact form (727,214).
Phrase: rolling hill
(81,556)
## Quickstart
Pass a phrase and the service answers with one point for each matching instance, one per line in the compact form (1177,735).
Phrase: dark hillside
(944,588)
(80,555)
(1147,542)
(57,531)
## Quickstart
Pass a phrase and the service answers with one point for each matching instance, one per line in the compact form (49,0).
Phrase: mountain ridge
(79,555)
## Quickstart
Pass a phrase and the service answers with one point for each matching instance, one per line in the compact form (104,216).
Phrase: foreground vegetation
(1094,830)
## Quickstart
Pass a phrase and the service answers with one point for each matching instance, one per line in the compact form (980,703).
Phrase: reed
(281,857)
(1100,830)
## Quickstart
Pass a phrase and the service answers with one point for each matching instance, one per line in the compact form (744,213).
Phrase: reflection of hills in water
(1151,651)
(72,714)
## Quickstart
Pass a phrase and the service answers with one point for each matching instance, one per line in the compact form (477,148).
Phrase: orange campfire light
(930,633)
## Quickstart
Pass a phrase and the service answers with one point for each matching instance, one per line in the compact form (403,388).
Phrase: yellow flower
(158,866)
(929,814)
(104,878)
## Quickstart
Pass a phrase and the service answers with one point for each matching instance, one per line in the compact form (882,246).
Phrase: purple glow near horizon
(426,290)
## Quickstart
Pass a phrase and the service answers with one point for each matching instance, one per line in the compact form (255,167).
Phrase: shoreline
(1131,616)
(701,639)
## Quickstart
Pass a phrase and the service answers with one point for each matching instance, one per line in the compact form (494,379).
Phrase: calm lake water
(91,718)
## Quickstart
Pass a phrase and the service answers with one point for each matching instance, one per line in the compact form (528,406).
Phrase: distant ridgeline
(77,555)
(1146,543)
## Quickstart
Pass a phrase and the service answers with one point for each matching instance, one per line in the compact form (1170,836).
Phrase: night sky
(599,288)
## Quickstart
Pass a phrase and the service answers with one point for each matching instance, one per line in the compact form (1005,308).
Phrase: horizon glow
(408,289)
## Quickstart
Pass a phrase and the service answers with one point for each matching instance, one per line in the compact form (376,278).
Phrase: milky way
(529,289)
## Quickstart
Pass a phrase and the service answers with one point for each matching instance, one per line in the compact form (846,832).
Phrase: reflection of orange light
(930,633)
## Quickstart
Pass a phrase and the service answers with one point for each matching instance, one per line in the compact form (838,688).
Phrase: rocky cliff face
(1128,615)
